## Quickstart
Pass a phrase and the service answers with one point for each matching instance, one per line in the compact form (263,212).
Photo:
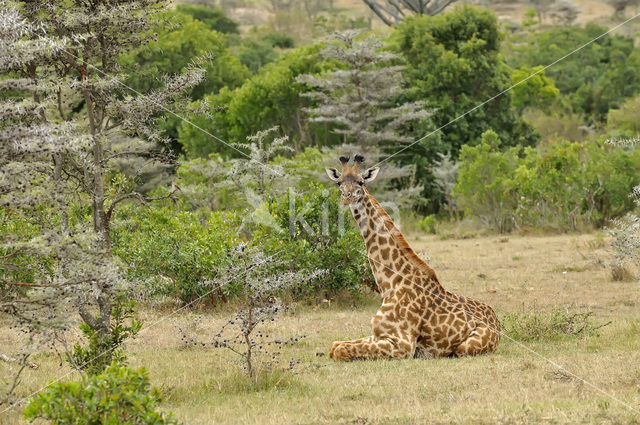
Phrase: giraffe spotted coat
(418,316)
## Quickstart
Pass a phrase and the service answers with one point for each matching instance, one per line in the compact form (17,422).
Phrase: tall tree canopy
(454,65)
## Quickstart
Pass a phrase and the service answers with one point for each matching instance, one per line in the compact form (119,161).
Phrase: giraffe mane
(399,238)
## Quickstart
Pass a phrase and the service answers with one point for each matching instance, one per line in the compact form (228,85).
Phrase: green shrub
(214,19)
(280,39)
(321,235)
(532,90)
(485,186)
(173,251)
(625,119)
(175,49)
(17,265)
(101,350)
(597,78)
(551,326)
(254,54)
(428,224)
(118,395)
(567,186)
(269,98)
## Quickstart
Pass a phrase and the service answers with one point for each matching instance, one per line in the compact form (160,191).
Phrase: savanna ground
(514,274)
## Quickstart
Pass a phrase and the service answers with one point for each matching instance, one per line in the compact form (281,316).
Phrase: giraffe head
(351,181)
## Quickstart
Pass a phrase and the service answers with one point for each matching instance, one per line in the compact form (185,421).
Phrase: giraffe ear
(370,174)
(333,174)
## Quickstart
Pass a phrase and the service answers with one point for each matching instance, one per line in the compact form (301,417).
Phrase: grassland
(512,386)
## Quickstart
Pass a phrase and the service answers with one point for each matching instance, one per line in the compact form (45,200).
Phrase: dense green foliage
(566,186)
(314,231)
(173,252)
(176,48)
(214,19)
(454,63)
(595,78)
(260,49)
(118,395)
(102,350)
(270,98)
(532,89)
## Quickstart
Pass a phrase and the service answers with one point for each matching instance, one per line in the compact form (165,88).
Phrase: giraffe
(418,316)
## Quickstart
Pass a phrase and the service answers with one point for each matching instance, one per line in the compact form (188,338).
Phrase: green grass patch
(549,326)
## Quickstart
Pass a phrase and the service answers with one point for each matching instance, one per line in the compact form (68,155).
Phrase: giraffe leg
(479,341)
(338,343)
(373,348)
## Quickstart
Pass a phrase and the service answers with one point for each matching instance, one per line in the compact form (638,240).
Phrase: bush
(119,395)
(553,326)
(269,98)
(315,232)
(485,186)
(280,39)
(254,54)
(428,224)
(214,19)
(597,78)
(565,187)
(102,349)
(176,48)
(532,90)
(173,251)
(453,64)
(625,119)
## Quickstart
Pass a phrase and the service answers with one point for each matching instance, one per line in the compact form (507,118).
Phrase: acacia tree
(394,11)
(619,6)
(360,100)
(258,280)
(68,125)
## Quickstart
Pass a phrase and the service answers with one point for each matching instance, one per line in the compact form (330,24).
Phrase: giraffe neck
(388,251)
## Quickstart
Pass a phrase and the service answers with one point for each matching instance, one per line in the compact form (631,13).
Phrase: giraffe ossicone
(418,316)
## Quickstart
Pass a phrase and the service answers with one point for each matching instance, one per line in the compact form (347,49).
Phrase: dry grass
(511,386)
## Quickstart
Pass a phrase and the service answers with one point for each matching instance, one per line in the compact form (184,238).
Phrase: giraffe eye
(361,183)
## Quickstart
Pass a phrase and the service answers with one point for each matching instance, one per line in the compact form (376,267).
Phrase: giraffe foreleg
(373,348)
(338,343)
